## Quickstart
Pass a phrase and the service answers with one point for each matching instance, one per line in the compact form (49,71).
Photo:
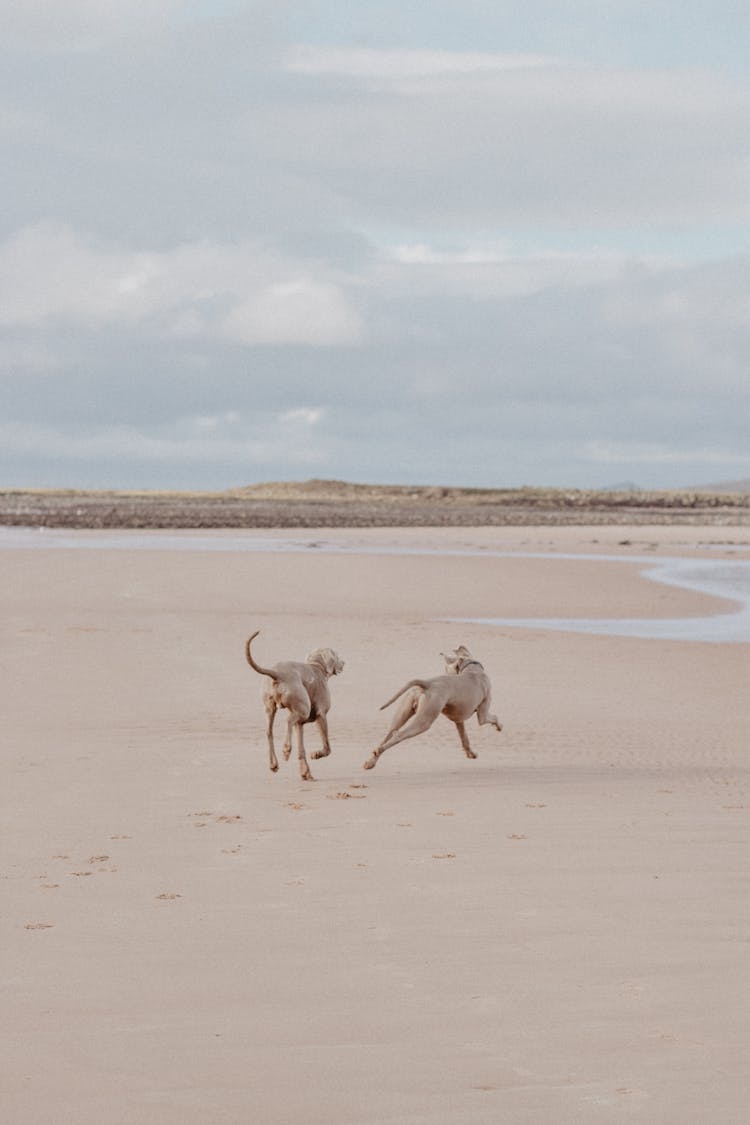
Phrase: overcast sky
(470,242)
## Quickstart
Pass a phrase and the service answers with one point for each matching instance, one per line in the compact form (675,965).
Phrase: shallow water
(722,578)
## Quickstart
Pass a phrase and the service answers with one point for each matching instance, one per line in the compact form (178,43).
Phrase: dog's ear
(462,652)
(336,663)
(330,660)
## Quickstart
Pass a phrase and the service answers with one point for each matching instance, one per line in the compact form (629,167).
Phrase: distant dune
(331,503)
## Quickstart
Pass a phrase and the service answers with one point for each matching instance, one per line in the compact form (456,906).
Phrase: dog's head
(329,661)
(454,661)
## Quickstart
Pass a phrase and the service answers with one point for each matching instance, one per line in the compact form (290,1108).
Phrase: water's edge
(722,578)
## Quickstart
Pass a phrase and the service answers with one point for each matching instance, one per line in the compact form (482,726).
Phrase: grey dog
(462,692)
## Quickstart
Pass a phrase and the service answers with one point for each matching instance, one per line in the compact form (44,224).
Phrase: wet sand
(555,932)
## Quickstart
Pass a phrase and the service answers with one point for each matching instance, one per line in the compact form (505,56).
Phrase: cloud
(58,26)
(639,453)
(231,440)
(221,140)
(421,254)
(227,242)
(243,293)
(28,355)
(491,270)
(700,315)
(305,416)
(298,311)
(47,272)
(451,137)
(400,68)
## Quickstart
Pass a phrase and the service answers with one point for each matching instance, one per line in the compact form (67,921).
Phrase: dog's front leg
(484,716)
(322,723)
(461,728)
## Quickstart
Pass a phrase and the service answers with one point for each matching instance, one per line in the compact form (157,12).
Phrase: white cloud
(243,293)
(49,273)
(298,311)
(454,138)
(497,270)
(207,191)
(212,423)
(396,65)
(421,254)
(305,416)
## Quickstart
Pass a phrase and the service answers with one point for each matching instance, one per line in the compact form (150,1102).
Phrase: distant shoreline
(341,504)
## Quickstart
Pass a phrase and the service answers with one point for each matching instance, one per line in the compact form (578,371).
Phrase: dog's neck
(466,663)
(318,663)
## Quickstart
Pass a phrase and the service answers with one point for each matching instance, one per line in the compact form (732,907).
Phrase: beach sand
(554,933)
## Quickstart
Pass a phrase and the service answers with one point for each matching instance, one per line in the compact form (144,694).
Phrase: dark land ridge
(322,503)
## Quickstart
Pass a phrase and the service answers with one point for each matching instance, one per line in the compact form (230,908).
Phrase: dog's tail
(412,683)
(251,662)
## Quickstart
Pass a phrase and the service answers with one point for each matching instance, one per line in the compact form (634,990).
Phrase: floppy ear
(330,660)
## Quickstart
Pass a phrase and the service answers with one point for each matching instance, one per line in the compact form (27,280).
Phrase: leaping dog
(464,690)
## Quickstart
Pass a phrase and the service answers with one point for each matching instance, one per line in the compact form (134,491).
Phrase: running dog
(302,690)
(462,692)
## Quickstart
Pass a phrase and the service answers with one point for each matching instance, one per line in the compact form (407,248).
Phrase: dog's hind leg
(270,705)
(424,715)
(461,728)
(404,712)
(406,708)
(286,749)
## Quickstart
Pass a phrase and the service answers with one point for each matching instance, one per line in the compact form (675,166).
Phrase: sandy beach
(553,934)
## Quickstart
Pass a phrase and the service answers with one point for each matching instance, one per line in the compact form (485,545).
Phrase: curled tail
(251,662)
(412,683)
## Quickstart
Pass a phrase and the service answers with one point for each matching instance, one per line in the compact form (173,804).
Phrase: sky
(468,243)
